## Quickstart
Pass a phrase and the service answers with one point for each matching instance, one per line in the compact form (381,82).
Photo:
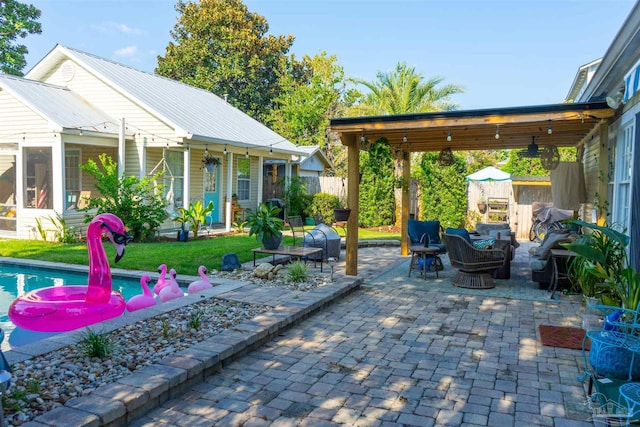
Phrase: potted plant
(195,215)
(482,205)
(209,162)
(265,224)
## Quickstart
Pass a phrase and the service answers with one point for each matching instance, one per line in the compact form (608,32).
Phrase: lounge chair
(474,265)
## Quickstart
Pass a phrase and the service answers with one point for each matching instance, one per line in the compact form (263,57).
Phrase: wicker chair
(473,264)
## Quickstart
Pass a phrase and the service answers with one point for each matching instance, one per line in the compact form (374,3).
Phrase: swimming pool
(16,280)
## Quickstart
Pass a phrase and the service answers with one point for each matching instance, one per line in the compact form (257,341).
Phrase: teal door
(211,192)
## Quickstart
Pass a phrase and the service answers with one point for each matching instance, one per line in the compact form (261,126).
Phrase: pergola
(560,125)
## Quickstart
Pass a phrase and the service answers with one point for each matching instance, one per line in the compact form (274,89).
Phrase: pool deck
(377,349)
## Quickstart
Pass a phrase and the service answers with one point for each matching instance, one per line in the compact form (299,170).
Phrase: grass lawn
(185,257)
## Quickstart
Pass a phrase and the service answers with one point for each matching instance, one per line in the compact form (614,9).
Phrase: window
(244,179)
(72,178)
(173,177)
(622,187)
(38,181)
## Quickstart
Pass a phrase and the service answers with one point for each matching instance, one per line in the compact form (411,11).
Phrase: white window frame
(244,194)
(72,183)
(623,170)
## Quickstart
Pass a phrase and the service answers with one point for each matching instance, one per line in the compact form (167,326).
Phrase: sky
(504,53)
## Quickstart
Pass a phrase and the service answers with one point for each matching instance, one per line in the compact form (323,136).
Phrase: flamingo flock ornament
(172,291)
(202,284)
(145,299)
(162,280)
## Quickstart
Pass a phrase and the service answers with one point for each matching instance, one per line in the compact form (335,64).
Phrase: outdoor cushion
(505,233)
(459,232)
(483,228)
(417,228)
(484,244)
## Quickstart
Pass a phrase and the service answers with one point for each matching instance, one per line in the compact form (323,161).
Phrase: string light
(404,138)
(498,132)
(225,149)
(270,150)
(549,129)
(362,138)
(246,155)
(206,150)
(449,136)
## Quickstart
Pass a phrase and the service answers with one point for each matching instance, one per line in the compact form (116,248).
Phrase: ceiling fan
(549,156)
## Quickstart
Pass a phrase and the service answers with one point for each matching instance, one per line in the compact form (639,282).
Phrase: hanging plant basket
(210,167)
(210,162)
(342,214)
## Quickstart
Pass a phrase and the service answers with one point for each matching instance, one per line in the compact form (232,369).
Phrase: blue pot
(611,361)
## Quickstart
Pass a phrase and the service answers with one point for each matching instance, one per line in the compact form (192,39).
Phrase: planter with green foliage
(265,224)
(195,215)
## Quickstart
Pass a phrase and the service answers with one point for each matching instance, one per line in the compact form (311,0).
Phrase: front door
(211,192)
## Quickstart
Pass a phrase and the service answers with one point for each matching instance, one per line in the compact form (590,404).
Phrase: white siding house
(73,106)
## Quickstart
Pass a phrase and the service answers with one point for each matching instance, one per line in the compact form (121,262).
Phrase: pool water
(15,281)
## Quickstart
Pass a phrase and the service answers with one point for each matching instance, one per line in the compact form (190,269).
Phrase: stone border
(131,397)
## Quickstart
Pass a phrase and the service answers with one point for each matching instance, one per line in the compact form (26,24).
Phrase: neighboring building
(73,106)
(611,158)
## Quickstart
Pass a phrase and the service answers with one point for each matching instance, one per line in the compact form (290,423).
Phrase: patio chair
(419,231)
(474,265)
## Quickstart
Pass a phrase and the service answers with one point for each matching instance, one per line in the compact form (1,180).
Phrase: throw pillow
(484,244)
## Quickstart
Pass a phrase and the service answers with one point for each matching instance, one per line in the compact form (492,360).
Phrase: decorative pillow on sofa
(484,244)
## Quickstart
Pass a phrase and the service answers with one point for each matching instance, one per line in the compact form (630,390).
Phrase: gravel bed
(46,382)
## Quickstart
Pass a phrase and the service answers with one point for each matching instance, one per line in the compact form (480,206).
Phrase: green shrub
(323,204)
(297,272)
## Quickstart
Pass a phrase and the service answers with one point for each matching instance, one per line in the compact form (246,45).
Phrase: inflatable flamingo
(65,308)
(162,280)
(202,284)
(145,299)
(172,291)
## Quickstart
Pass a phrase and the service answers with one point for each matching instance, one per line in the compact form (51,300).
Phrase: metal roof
(570,124)
(194,113)
(58,105)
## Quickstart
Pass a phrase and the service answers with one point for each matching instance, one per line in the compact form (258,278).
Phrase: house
(73,106)
(611,159)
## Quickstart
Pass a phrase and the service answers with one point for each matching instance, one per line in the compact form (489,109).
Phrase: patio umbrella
(489,174)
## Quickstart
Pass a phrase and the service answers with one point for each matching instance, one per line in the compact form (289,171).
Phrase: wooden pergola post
(404,203)
(353,190)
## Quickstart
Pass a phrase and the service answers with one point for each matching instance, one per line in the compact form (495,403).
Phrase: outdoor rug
(562,336)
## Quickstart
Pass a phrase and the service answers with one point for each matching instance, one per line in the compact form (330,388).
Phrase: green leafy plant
(264,222)
(323,204)
(297,272)
(166,328)
(95,344)
(296,198)
(194,215)
(136,201)
(195,319)
(41,230)
(238,226)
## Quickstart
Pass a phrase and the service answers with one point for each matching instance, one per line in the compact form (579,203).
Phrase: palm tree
(403,91)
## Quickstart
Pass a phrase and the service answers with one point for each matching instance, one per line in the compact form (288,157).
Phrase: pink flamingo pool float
(145,299)
(69,307)
(202,284)
(162,280)
(172,291)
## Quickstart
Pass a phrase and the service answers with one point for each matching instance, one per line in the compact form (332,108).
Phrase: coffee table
(291,251)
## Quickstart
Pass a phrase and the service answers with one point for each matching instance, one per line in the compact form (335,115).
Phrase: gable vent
(67,71)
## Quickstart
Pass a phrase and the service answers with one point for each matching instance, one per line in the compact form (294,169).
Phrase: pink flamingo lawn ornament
(172,291)
(145,299)
(162,280)
(69,307)
(202,284)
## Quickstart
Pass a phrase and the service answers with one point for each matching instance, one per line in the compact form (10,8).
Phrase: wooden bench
(291,251)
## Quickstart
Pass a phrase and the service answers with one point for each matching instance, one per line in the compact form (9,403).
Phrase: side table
(419,252)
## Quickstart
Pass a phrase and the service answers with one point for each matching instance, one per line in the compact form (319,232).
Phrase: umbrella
(489,174)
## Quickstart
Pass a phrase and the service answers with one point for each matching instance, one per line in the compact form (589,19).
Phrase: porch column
(121,148)
(187,177)
(260,178)
(603,165)
(404,203)
(353,196)
(229,192)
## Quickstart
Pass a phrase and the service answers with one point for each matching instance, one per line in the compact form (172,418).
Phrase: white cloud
(128,52)
(124,28)
(115,27)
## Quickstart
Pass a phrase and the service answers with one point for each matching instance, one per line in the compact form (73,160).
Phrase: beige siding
(16,118)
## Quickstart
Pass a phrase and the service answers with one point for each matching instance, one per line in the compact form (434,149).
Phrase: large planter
(272,242)
(611,361)
(341,214)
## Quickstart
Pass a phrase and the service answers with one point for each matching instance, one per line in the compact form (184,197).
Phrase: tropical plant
(16,20)
(138,202)
(195,215)
(601,265)
(222,47)
(264,222)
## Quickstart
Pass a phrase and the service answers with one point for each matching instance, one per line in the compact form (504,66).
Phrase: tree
(137,202)
(403,91)
(219,46)
(303,108)
(16,20)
